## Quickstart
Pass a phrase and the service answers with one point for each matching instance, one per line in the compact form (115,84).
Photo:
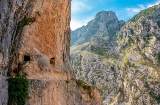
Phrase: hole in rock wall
(27,58)
(0,15)
(52,61)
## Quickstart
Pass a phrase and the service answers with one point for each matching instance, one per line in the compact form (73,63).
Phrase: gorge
(120,58)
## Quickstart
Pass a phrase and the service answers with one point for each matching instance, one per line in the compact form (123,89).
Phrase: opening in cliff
(27,58)
(52,61)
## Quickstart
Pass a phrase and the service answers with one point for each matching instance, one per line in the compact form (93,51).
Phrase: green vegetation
(79,83)
(130,64)
(111,101)
(135,43)
(18,89)
(155,97)
(158,23)
(122,93)
(80,47)
(158,57)
(158,38)
(147,38)
(147,12)
(26,20)
(136,71)
(99,51)
(119,89)
(124,60)
(85,86)
(149,63)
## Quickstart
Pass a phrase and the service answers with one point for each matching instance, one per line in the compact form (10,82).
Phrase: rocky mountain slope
(94,59)
(104,25)
(128,71)
(35,55)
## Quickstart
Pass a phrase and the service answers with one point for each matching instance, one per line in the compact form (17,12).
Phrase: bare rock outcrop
(35,38)
(126,67)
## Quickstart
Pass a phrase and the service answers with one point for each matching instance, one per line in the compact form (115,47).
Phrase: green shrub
(99,51)
(158,57)
(158,38)
(79,83)
(18,89)
(147,38)
(158,23)
(85,86)
(26,20)
(156,98)
(130,64)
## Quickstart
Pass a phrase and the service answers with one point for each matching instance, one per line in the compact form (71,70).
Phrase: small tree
(18,89)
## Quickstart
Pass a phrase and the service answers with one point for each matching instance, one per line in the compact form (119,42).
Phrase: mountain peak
(106,15)
(105,24)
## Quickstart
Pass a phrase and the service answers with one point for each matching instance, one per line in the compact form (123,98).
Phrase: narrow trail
(57,76)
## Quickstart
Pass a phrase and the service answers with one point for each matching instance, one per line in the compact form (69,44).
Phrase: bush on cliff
(18,89)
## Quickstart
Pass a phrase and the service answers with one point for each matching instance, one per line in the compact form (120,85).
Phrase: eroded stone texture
(36,29)
(35,38)
(58,92)
(3,91)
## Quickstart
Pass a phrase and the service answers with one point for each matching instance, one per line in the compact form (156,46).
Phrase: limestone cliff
(94,59)
(35,38)
(139,47)
(126,68)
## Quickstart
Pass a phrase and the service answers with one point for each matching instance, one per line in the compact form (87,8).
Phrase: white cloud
(77,23)
(79,6)
(133,11)
(155,3)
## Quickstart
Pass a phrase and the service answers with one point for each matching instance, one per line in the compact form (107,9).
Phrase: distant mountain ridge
(92,45)
(121,59)
(104,23)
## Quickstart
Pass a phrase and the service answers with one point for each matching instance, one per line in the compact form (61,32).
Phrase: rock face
(126,67)
(105,24)
(61,93)
(35,26)
(3,91)
(94,59)
(139,48)
(35,38)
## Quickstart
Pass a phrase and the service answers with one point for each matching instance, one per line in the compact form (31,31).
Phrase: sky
(82,11)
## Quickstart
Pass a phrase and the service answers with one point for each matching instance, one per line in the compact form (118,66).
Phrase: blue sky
(83,11)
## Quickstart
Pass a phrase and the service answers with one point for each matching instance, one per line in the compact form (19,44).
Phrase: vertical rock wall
(35,38)
(58,92)
(38,30)
(3,91)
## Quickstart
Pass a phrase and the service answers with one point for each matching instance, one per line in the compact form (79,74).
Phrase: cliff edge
(35,39)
